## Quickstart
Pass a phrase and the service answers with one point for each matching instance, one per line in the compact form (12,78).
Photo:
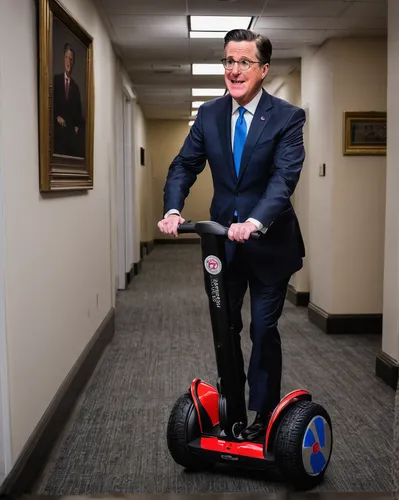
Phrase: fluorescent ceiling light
(208,34)
(194,112)
(208,92)
(219,23)
(191,123)
(197,104)
(207,69)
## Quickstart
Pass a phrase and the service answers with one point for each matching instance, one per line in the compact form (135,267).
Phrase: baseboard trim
(36,452)
(134,271)
(176,241)
(344,323)
(146,247)
(137,266)
(149,246)
(387,369)
(128,277)
(300,299)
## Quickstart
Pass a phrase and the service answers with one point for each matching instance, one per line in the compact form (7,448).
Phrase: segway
(205,422)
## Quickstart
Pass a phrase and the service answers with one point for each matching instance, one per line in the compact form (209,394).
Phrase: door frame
(125,188)
(129,177)
(5,422)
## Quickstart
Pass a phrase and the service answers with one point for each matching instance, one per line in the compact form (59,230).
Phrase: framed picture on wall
(66,99)
(365,133)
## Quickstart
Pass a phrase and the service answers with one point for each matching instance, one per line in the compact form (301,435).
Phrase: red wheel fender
(280,410)
(206,401)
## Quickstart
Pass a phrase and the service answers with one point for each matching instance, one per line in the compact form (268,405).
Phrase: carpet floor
(115,440)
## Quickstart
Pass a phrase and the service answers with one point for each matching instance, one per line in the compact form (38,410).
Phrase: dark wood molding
(128,277)
(137,267)
(344,323)
(300,299)
(146,247)
(36,452)
(150,246)
(175,241)
(134,271)
(387,369)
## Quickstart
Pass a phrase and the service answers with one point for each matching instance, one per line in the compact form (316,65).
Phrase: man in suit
(254,145)
(67,110)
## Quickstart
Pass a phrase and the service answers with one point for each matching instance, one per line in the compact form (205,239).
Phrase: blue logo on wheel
(316,447)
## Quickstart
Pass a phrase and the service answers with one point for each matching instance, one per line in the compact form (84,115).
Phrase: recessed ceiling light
(208,34)
(207,69)
(197,104)
(219,23)
(208,92)
(191,123)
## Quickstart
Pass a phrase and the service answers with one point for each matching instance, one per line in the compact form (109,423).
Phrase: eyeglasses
(244,64)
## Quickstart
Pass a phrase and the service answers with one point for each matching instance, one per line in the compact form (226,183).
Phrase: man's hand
(241,231)
(170,224)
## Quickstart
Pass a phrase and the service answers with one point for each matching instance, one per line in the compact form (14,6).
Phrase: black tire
(289,441)
(183,427)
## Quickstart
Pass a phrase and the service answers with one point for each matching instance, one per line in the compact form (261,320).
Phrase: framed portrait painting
(365,133)
(66,97)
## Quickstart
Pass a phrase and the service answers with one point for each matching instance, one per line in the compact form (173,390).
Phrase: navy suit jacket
(270,168)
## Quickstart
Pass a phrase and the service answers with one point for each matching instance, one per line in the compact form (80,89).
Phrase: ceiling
(152,38)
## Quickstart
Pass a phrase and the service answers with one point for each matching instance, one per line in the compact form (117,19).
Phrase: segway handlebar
(209,227)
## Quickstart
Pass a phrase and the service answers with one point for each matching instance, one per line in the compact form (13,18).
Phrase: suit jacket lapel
(259,121)
(224,125)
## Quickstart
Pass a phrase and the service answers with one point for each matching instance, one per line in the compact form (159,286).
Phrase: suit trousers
(267,302)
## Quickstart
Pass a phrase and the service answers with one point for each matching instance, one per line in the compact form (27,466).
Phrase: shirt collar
(251,106)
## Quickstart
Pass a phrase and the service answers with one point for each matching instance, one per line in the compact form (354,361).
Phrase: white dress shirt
(67,81)
(248,115)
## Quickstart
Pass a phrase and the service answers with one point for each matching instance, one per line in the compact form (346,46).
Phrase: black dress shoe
(256,429)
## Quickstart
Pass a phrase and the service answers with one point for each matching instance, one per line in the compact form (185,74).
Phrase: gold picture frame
(66,100)
(365,133)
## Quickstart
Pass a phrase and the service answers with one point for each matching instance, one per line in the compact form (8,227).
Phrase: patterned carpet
(115,441)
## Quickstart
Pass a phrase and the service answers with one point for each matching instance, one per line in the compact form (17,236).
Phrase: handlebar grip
(186,228)
(255,236)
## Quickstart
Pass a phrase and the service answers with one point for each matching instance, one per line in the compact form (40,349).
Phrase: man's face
(244,85)
(68,61)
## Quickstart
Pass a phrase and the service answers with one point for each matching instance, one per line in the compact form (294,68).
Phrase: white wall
(58,264)
(126,231)
(5,438)
(289,89)
(286,87)
(346,207)
(165,139)
(317,98)
(390,339)
(359,182)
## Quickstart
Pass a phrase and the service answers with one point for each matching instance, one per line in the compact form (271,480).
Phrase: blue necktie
(240,136)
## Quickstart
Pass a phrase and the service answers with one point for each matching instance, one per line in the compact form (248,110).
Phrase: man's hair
(263,44)
(67,47)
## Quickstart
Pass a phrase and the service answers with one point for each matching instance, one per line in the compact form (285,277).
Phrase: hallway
(115,441)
